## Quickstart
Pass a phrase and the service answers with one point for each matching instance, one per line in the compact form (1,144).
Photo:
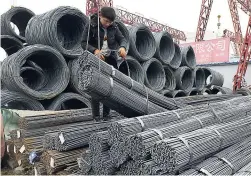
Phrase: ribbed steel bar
(85,163)
(226,162)
(245,171)
(176,152)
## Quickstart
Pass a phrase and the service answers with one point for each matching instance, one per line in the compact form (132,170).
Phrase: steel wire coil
(136,71)
(243,91)
(170,79)
(15,100)
(220,90)
(199,80)
(155,77)
(10,44)
(68,101)
(177,58)
(176,152)
(188,57)
(55,161)
(48,119)
(166,93)
(226,162)
(165,49)
(119,130)
(123,29)
(213,77)
(205,91)
(244,171)
(51,62)
(89,60)
(142,42)
(61,28)
(109,92)
(141,143)
(184,78)
(74,68)
(194,92)
(20,16)
(174,93)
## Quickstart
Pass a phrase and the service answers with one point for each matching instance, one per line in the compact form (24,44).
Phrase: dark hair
(109,13)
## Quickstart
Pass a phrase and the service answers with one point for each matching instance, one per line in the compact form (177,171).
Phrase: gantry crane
(243,45)
(92,6)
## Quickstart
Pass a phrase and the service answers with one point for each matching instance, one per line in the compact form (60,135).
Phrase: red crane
(131,18)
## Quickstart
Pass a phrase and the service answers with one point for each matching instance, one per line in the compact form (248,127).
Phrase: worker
(112,43)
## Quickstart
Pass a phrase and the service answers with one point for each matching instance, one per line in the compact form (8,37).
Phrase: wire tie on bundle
(131,83)
(188,147)
(159,133)
(176,113)
(204,171)
(147,99)
(228,163)
(221,138)
(215,114)
(141,123)
(202,126)
(113,71)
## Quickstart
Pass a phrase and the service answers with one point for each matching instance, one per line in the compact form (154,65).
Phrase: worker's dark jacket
(115,39)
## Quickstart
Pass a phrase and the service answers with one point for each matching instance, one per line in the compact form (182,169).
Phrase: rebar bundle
(142,42)
(226,162)
(188,57)
(50,60)
(136,71)
(243,91)
(61,28)
(199,80)
(68,101)
(155,77)
(213,78)
(165,49)
(177,58)
(32,144)
(39,169)
(184,78)
(10,44)
(55,161)
(88,60)
(15,100)
(141,143)
(85,162)
(76,136)
(49,119)
(245,171)
(181,150)
(170,79)
(20,16)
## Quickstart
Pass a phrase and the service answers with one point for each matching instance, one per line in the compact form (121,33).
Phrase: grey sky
(179,14)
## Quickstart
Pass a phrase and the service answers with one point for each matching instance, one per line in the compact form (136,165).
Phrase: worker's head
(107,16)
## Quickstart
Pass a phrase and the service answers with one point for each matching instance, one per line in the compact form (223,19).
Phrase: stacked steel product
(10,44)
(85,162)
(220,90)
(174,153)
(55,161)
(133,145)
(141,143)
(213,78)
(245,171)
(226,162)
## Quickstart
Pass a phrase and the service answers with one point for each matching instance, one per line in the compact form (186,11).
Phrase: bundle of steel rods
(245,171)
(226,162)
(85,162)
(179,151)
(141,143)
(49,119)
(55,161)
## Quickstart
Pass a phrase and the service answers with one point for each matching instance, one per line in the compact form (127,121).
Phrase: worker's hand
(98,53)
(122,52)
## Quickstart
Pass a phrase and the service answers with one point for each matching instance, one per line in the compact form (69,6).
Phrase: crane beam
(244,58)
(205,10)
(245,6)
(231,35)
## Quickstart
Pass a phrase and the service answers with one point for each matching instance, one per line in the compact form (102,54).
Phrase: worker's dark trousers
(111,60)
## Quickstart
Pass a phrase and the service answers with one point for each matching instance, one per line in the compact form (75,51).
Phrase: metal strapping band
(141,123)
(113,71)
(111,89)
(176,114)
(213,111)
(159,133)
(188,147)
(204,171)
(228,163)
(221,138)
(147,100)
(202,126)
(131,82)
